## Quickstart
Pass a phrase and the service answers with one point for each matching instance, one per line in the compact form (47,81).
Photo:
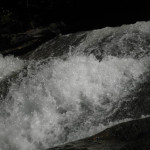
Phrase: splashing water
(8,65)
(66,100)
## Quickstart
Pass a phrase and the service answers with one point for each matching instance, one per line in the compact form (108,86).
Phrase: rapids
(61,99)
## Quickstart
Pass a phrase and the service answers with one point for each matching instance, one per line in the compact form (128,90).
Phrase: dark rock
(124,41)
(21,43)
(132,135)
(56,47)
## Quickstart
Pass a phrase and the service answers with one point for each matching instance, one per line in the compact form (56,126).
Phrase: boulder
(132,135)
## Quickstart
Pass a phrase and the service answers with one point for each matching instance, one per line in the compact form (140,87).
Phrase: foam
(66,100)
(9,64)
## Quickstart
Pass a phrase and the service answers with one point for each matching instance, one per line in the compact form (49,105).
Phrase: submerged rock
(132,135)
(125,41)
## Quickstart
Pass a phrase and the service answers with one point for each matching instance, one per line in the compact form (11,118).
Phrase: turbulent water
(60,100)
(9,64)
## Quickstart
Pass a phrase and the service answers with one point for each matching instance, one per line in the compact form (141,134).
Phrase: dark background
(71,15)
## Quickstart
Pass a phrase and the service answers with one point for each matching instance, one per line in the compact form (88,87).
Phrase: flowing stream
(59,100)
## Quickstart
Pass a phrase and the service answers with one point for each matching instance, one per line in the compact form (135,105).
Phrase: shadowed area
(125,136)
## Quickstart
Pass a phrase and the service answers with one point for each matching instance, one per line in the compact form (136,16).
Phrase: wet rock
(125,41)
(21,43)
(132,135)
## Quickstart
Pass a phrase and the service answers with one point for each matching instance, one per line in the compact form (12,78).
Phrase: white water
(66,100)
(9,64)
